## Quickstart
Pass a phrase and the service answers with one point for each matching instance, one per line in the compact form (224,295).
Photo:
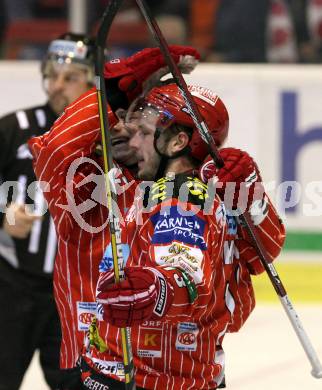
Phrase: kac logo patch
(86,311)
(187,336)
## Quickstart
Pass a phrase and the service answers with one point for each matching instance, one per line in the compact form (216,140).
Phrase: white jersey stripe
(22,120)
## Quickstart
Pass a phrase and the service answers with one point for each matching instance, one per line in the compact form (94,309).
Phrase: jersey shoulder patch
(184,187)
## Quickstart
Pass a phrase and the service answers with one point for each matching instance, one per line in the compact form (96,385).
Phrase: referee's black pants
(29,321)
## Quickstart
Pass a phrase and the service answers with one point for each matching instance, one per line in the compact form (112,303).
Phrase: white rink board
(255,98)
(264,355)
(21,85)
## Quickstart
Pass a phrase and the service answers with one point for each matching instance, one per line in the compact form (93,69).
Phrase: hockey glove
(145,294)
(239,182)
(127,78)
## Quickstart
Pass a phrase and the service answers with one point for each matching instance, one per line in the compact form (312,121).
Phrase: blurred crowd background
(251,31)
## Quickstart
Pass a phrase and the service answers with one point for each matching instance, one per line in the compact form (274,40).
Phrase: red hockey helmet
(169,100)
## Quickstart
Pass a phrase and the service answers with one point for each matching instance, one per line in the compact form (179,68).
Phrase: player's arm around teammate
(76,134)
(68,162)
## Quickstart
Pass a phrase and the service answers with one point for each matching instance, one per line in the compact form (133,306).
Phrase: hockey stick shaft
(213,150)
(180,81)
(114,223)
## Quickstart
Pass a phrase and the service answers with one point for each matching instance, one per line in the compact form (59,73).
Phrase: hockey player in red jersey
(121,305)
(81,122)
(86,107)
(81,219)
(175,296)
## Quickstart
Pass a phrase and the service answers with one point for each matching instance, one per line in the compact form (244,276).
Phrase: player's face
(143,143)
(121,135)
(64,84)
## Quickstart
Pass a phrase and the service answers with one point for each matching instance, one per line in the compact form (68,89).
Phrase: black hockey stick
(177,75)
(114,223)
(246,218)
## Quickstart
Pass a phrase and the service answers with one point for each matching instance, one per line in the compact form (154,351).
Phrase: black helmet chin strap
(164,157)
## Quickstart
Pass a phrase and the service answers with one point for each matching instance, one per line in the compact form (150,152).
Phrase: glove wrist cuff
(164,297)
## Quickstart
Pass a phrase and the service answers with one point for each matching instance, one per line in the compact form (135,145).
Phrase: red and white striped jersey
(178,351)
(236,292)
(181,350)
(75,192)
(271,231)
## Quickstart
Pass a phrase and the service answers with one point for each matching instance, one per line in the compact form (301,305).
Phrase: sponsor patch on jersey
(92,384)
(107,261)
(86,311)
(109,367)
(187,336)
(173,223)
(150,341)
(184,257)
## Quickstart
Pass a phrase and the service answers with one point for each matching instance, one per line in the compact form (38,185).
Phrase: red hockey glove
(144,294)
(127,78)
(239,181)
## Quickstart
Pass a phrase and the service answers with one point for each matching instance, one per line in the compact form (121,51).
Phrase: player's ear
(178,142)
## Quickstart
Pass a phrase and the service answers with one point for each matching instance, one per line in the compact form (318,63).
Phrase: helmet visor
(146,115)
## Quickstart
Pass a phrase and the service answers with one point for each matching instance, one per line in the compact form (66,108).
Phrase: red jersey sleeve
(72,138)
(271,231)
